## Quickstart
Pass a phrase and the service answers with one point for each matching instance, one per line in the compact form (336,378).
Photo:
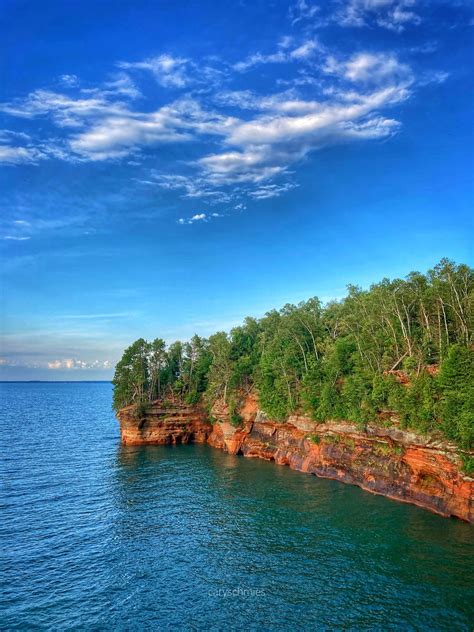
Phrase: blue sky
(169,168)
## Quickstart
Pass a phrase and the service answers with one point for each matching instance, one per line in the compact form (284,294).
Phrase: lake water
(96,536)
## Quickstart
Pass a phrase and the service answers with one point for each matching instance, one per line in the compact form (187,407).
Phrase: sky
(169,168)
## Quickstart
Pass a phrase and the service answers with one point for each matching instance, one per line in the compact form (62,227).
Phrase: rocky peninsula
(376,389)
(395,463)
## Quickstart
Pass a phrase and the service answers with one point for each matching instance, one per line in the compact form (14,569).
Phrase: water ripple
(96,536)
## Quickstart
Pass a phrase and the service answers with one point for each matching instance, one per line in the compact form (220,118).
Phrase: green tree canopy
(403,345)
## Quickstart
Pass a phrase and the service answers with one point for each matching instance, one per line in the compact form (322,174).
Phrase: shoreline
(390,462)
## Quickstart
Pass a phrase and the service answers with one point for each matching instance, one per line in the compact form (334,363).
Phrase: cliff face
(388,461)
(163,425)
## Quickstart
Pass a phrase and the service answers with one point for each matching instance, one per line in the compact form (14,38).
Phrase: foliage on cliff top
(342,360)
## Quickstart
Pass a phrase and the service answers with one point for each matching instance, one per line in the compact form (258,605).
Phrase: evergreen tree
(373,354)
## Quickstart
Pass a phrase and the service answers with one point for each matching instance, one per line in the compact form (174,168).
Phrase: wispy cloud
(16,230)
(106,129)
(74,363)
(175,72)
(41,221)
(244,143)
(395,15)
(69,80)
(8,135)
(118,85)
(271,190)
(303,10)
(65,110)
(169,71)
(370,68)
(117,135)
(264,147)
(198,217)
(15,155)
(190,186)
(287,51)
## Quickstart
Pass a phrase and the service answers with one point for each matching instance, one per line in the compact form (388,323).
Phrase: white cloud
(12,362)
(285,128)
(119,84)
(366,67)
(109,129)
(266,145)
(271,190)
(69,80)
(73,363)
(258,58)
(66,111)
(319,122)
(11,155)
(436,77)
(251,165)
(9,135)
(191,186)
(169,71)
(284,53)
(117,136)
(116,130)
(286,101)
(198,217)
(246,154)
(16,238)
(304,51)
(302,10)
(394,15)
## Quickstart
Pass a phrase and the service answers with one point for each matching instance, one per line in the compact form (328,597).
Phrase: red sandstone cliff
(165,424)
(388,461)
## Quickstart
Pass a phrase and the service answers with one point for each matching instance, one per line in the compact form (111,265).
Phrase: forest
(402,348)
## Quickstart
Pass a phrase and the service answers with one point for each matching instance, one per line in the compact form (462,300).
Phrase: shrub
(456,381)
(388,449)
(332,439)
(467,464)
(192,398)
(235,419)
(140,410)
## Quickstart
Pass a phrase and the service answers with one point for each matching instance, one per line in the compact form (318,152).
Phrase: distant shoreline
(55,381)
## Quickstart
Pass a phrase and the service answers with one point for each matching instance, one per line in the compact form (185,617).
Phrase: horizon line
(53,381)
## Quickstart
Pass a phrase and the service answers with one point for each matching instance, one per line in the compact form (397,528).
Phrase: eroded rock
(389,461)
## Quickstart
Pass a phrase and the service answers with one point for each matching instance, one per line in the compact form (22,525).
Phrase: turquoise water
(96,536)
